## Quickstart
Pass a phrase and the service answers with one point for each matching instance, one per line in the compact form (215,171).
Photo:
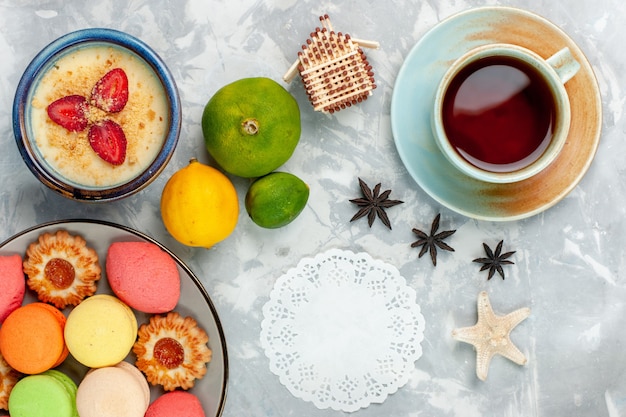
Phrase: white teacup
(501,112)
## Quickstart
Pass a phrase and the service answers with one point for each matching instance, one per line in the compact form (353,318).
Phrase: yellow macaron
(100,331)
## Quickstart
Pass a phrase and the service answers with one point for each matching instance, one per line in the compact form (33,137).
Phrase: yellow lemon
(251,126)
(276,199)
(199,205)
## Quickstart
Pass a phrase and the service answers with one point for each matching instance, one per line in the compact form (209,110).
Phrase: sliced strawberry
(69,112)
(108,140)
(111,92)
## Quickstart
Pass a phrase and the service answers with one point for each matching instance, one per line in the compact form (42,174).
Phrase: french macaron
(113,391)
(143,275)
(100,331)
(12,284)
(32,338)
(176,403)
(49,394)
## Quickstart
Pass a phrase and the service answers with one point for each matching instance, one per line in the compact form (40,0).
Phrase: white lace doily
(342,330)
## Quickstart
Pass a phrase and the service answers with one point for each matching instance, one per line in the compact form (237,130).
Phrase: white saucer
(414,94)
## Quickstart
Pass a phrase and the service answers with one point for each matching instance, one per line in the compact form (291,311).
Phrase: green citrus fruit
(251,126)
(276,199)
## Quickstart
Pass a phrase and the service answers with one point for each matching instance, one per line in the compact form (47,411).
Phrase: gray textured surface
(568,265)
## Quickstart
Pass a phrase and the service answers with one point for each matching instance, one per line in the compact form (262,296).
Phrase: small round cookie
(143,276)
(31,338)
(12,284)
(61,268)
(113,391)
(100,331)
(172,351)
(43,395)
(176,403)
(8,379)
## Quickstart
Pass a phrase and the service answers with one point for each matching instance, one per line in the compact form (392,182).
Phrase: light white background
(569,260)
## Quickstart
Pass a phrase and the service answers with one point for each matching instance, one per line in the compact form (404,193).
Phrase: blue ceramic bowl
(46,60)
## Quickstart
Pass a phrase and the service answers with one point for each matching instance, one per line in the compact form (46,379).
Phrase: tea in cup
(501,112)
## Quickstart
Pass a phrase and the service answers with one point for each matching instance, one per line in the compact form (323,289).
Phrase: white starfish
(491,335)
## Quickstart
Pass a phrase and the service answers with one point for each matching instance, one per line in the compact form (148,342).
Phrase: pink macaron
(143,276)
(176,403)
(12,284)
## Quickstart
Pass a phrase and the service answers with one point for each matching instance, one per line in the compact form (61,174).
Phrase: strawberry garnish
(69,112)
(111,92)
(108,140)
(106,137)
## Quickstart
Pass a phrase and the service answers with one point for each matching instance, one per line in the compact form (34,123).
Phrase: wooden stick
(326,22)
(292,71)
(366,44)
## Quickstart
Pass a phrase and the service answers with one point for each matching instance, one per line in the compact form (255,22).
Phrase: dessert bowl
(81,73)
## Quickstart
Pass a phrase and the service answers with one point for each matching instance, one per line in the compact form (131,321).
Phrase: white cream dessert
(144,118)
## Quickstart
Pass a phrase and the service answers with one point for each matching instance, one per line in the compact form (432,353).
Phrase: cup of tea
(501,112)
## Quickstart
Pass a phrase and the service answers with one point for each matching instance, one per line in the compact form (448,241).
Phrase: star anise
(432,241)
(494,260)
(373,204)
